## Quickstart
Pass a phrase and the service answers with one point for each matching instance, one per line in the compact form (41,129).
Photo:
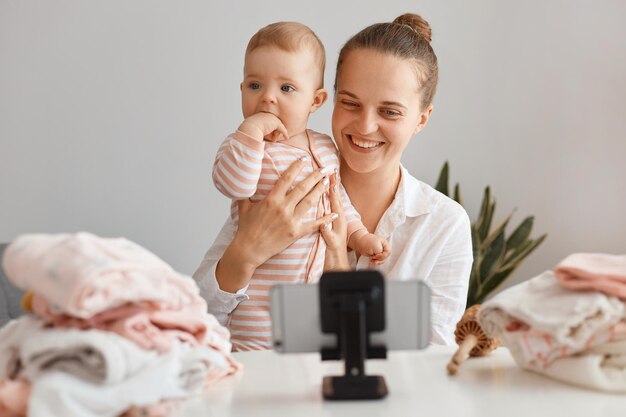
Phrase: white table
(273,385)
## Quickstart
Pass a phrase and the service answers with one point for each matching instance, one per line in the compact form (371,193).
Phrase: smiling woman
(385,83)
(386,78)
(372,126)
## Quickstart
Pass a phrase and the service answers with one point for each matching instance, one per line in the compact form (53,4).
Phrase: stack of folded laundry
(114,330)
(569,323)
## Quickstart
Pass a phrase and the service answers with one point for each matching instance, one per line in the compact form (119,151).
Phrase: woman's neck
(371,193)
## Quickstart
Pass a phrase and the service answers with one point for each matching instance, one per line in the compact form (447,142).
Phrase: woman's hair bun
(415,22)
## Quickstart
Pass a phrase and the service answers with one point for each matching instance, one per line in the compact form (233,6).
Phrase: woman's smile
(364,145)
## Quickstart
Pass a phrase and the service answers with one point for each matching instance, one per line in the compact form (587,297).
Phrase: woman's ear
(321,95)
(424,117)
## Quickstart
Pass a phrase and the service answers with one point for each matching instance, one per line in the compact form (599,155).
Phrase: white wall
(111,112)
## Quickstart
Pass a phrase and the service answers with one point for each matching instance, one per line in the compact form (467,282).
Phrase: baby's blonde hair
(290,37)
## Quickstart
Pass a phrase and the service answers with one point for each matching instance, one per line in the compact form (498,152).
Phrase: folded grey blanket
(10,297)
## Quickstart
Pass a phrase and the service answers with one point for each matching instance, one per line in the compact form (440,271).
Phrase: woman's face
(377,110)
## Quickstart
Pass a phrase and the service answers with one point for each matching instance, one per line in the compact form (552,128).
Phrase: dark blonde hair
(290,37)
(407,37)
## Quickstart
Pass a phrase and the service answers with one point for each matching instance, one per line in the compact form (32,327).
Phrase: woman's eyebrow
(394,103)
(384,103)
(346,92)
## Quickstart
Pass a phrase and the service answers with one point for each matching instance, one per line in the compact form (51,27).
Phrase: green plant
(496,256)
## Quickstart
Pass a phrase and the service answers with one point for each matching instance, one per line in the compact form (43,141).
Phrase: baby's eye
(287,88)
(349,103)
(254,86)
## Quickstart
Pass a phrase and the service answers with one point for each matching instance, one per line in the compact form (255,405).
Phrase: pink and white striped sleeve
(352,216)
(238,166)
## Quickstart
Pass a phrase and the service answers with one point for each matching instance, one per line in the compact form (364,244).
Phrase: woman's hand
(335,234)
(267,227)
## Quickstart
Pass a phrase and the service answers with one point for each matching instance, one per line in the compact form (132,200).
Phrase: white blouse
(430,240)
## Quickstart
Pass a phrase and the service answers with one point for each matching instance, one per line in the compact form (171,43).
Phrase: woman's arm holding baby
(267,227)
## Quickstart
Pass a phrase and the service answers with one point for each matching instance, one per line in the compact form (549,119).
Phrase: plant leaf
(491,284)
(493,255)
(457,194)
(521,248)
(496,233)
(516,258)
(475,243)
(473,285)
(442,181)
(499,276)
(489,220)
(520,234)
(487,208)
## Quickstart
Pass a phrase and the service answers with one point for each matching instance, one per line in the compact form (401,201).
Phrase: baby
(283,84)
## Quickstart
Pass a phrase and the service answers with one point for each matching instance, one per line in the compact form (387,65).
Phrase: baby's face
(282,83)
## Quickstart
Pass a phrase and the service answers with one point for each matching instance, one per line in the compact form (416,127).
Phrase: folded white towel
(601,368)
(11,337)
(94,355)
(175,374)
(542,303)
(94,373)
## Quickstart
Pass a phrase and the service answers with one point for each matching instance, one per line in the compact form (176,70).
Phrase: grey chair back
(10,296)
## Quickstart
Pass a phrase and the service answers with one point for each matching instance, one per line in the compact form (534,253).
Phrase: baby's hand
(376,247)
(264,125)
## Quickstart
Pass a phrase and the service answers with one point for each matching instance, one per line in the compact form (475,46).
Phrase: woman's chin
(360,165)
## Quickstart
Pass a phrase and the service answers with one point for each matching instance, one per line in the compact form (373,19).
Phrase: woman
(384,87)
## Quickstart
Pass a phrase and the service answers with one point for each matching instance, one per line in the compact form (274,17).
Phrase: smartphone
(295,312)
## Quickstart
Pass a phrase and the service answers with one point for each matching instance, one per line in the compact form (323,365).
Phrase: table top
(273,384)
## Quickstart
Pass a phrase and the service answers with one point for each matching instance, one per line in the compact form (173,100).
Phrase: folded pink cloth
(82,274)
(147,326)
(533,349)
(14,396)
(594,271)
